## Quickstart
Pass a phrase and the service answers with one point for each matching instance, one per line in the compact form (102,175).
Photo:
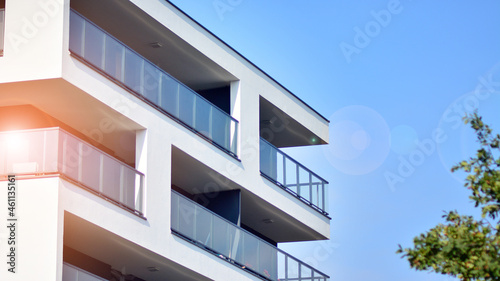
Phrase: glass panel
(280,169)
(267,160)
(51,151)
(305,272)
(203,116)
(70,156)
(169,97)
(250,251)
(94,43)
(268,261)
(91,166)
(129,183)
(186,106)
(317,192)
(203,227)
(282,266)
(220,128)
(133,69)
(111,178)
(186,218)
(291,175)
(151,83)
(174,216)
(223,236)
(293,269)
(76,34)
(69,273)
(113,63)
(304,189)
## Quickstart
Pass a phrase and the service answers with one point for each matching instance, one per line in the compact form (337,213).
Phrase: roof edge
(242,56)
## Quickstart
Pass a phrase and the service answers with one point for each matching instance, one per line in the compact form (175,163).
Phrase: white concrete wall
(39,231)
(33,46)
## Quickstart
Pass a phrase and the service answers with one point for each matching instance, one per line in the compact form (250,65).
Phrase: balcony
(53,151)
(127,68)
(2,28)
(229,242)
(73,273)
(283,170)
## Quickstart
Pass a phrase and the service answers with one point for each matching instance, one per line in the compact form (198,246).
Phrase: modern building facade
(136,145)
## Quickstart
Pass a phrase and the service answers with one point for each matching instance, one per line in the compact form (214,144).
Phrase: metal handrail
(62,169)
(317,190)
(295,161)
(325,277)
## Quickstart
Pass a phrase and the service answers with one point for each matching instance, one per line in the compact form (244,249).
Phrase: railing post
(300,271)
(310,188)
(286,268)
(324,195)
(284,165)
(298,178)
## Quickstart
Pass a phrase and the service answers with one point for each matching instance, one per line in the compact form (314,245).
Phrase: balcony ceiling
(282,130)
(138,30)
(120,253)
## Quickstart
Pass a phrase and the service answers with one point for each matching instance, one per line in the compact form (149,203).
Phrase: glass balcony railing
(2,23)
(73,273)
(129,69)
(230,242)
(283,170)
(55,151)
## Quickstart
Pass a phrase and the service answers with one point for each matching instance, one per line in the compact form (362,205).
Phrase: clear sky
(394,78)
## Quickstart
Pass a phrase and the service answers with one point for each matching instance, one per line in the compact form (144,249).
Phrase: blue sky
(394,78)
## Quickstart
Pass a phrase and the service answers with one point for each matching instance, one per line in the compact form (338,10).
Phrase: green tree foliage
(464,247)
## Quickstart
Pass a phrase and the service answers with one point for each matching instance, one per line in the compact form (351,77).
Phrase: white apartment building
(137,145)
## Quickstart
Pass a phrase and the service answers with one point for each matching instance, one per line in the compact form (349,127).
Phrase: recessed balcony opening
(92,253)
(230,222)
(279,130)
(212,190)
